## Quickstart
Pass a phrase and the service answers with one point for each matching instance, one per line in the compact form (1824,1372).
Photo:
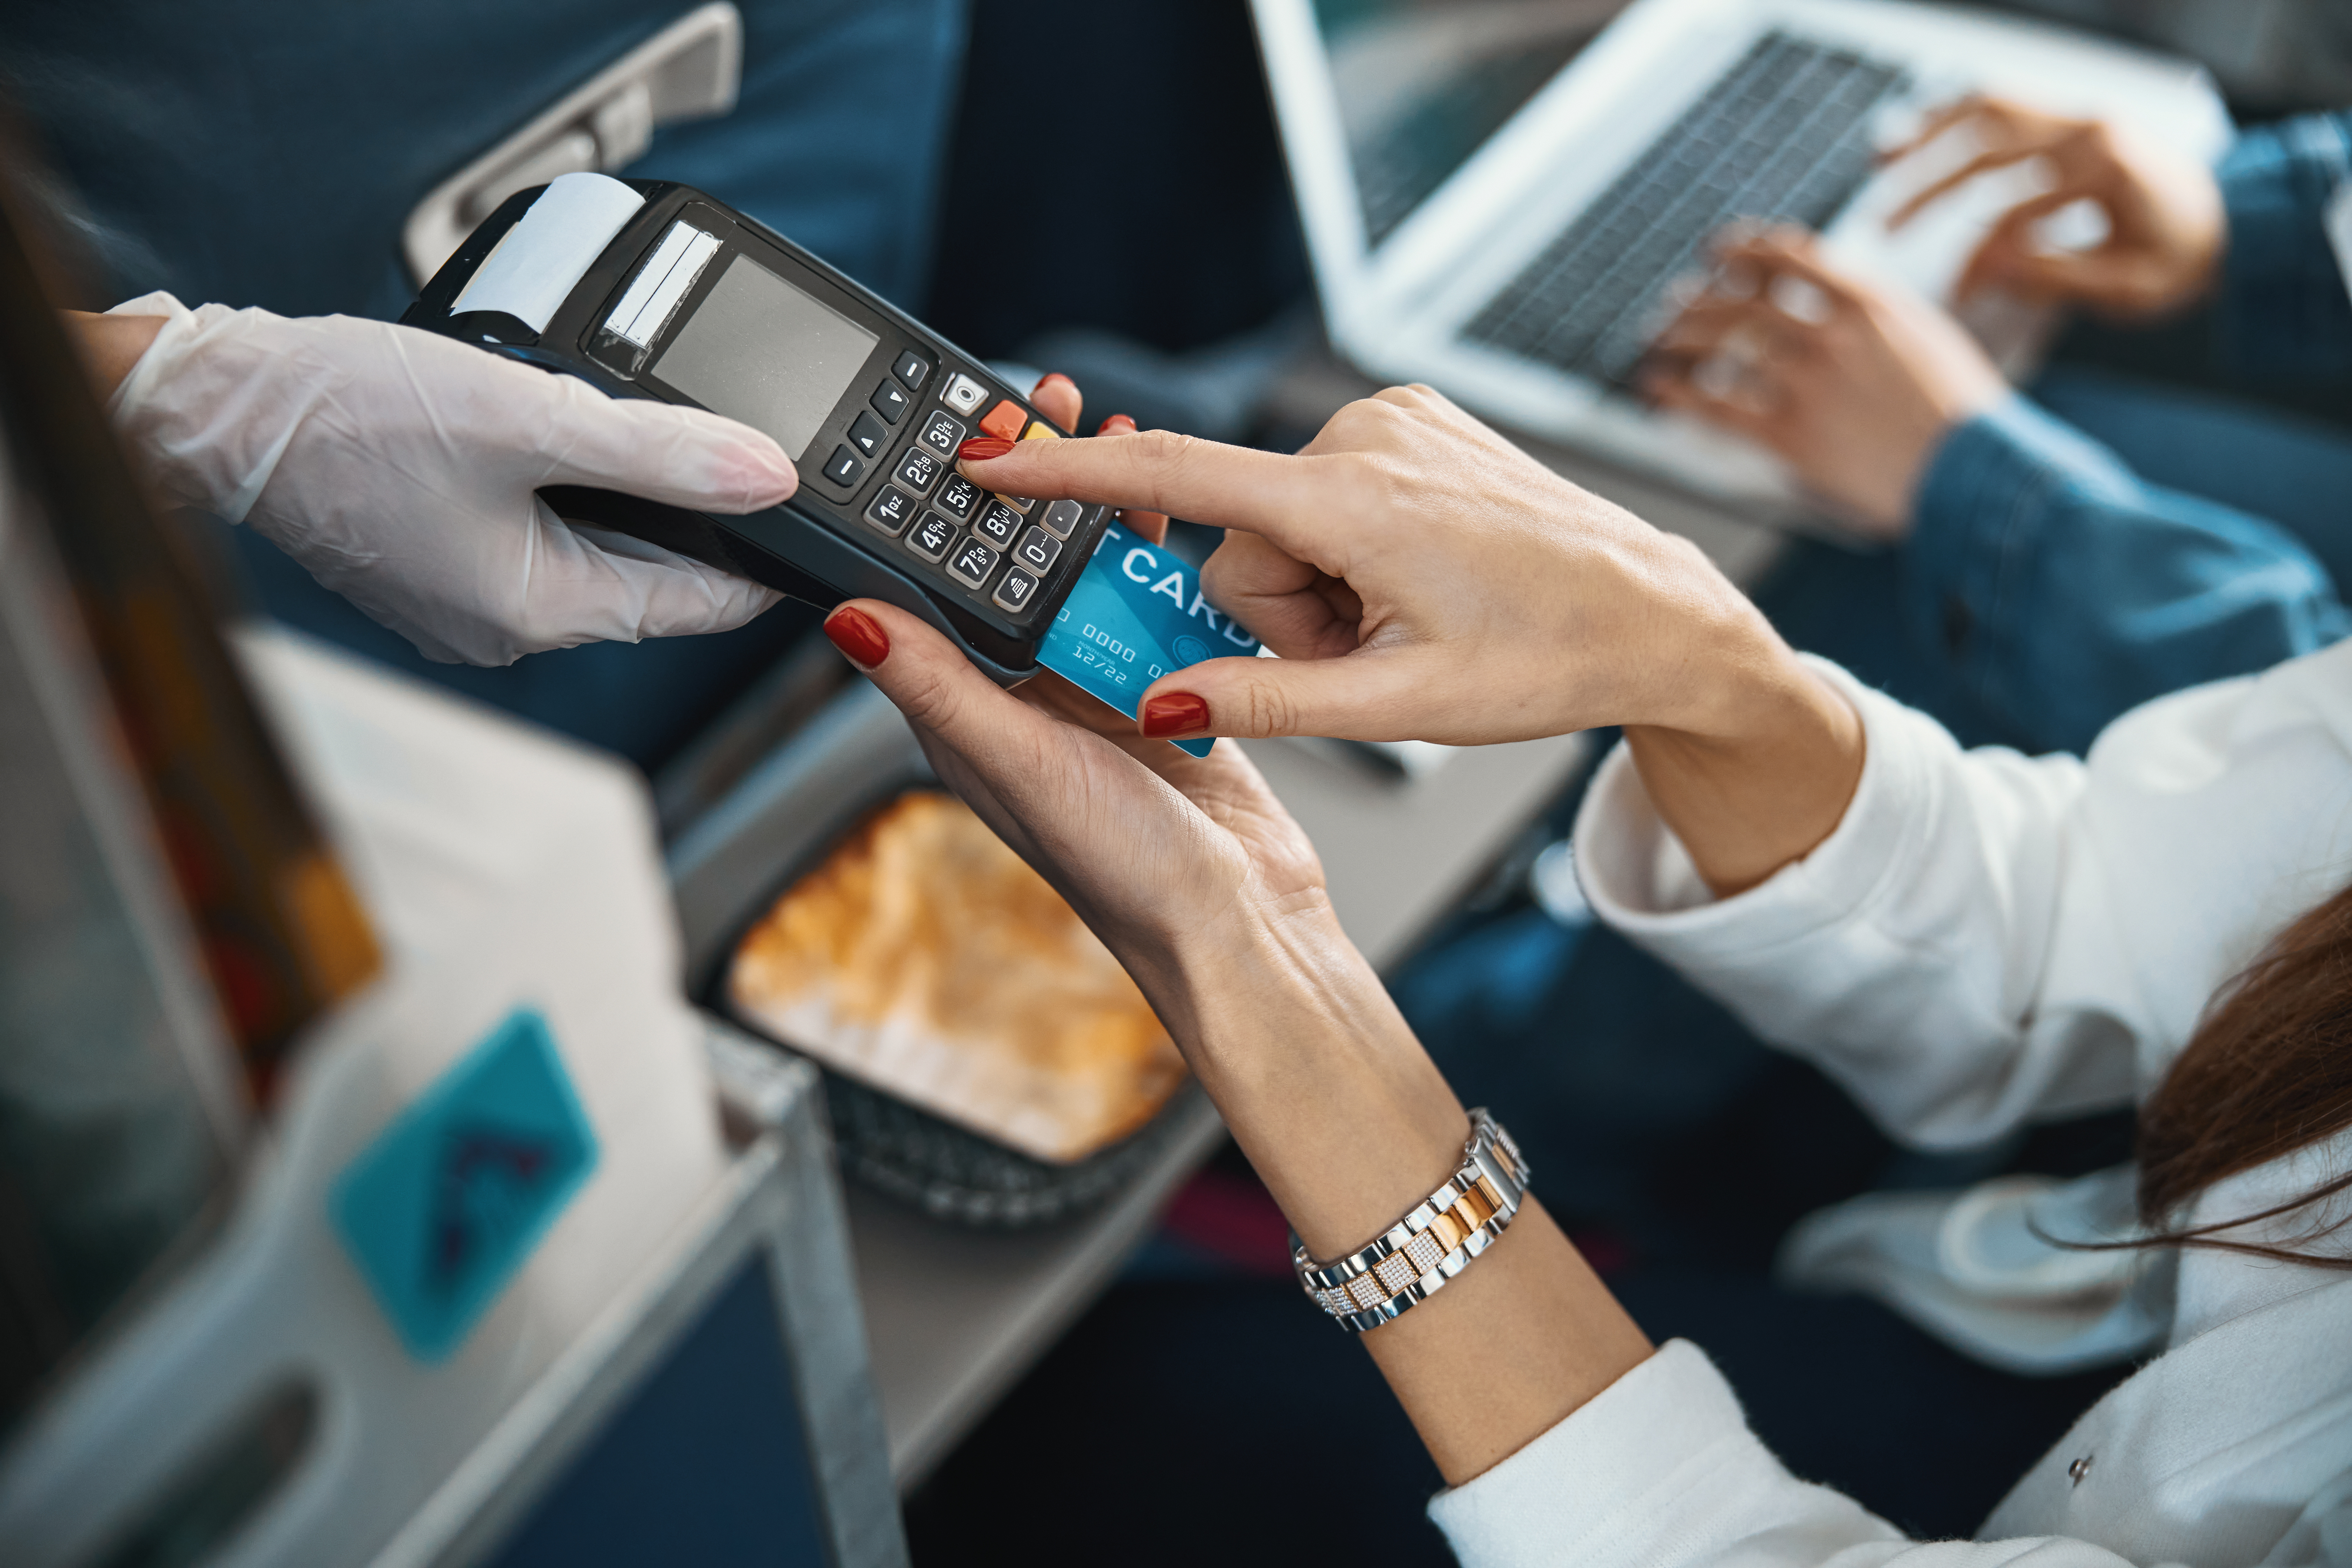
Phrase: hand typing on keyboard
(1854,383)
(2164,223)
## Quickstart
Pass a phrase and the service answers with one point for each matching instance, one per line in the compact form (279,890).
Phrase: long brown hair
(2268,1072)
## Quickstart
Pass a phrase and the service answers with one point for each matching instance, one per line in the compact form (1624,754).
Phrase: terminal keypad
(1002,546)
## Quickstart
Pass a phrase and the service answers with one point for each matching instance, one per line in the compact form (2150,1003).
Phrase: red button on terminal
(1004,421)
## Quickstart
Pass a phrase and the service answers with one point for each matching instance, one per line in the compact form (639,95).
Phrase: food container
(941,985)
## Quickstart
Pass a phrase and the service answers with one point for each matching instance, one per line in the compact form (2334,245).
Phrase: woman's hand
(2165,225)
(1193,875)
(1422,578)
(402,469)
(1197,880)
(1853,383)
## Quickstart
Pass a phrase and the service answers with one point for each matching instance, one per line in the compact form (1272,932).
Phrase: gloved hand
(398,467)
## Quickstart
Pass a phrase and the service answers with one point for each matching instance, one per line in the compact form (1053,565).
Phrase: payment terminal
(692,303)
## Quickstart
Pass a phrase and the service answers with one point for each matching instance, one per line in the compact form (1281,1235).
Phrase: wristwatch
(1408,1263)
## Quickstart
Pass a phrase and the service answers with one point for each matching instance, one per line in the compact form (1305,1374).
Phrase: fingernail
(1116,424)
(1051,376)
(981,448)
(855,633)
(1174,714)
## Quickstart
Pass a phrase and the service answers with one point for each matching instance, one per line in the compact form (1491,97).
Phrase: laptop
(1500,195)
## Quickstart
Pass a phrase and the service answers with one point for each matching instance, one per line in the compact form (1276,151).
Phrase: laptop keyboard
(1784,135)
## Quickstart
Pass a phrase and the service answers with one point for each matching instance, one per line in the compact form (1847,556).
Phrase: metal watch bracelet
(1410,1261)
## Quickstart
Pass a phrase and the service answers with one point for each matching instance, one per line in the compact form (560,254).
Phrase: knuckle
(928,697)
(1163,456)
(1267,709)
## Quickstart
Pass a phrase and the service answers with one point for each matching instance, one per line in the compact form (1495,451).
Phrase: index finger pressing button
(1007,420)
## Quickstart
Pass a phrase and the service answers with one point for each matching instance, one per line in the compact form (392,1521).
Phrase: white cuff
(1640,880)
(1658,1469)
(209,410)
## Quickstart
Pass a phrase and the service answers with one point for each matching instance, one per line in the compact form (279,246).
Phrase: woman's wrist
(1318,1076)
(111,345)
(1766,780)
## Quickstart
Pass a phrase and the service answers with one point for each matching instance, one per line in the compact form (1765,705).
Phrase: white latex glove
(398,467)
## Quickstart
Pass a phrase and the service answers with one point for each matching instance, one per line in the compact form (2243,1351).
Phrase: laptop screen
(1423,83)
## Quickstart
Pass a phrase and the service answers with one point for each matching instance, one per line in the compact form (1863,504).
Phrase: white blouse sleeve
(1661,1469)
(1906,954)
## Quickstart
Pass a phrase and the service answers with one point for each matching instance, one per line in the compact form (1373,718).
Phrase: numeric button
(998,523)
(891,510)
(919,471)
(956,497)
(973,564)
(1038,549)
(943,434)
(931,537)
(1015,592)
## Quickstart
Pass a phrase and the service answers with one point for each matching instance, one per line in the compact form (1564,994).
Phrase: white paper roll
(535,263)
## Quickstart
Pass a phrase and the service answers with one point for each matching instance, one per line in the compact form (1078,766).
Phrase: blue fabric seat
(268,152)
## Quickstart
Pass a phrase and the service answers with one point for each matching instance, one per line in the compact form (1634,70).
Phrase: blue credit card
(1136,613)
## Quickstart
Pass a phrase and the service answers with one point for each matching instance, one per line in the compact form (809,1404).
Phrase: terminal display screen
(1424,83)
(768,353)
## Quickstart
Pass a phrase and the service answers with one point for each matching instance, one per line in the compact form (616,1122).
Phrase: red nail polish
(855,633)
(1116,424)
(981,448)
(1174,714)
(1051,376)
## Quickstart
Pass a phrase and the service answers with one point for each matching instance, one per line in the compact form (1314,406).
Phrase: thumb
(555,429)
(1368,695)
(683,456)
(944,696)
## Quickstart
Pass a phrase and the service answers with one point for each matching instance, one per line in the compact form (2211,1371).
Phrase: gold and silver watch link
(1410,1260)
